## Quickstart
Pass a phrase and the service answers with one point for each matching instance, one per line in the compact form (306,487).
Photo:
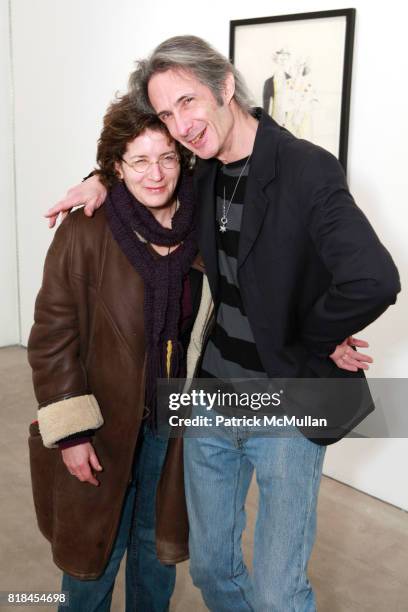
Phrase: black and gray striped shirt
(231,350)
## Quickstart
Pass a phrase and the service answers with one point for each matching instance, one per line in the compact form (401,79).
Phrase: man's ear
(118,170)
(229,88)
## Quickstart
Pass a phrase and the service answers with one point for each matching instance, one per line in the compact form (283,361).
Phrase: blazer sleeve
(60,383)
(365,280)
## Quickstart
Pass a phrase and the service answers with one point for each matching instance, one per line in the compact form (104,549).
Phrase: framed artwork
(298,69)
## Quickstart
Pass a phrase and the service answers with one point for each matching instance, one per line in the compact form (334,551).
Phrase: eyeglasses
(168,162)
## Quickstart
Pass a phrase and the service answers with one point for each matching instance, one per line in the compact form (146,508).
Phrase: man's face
(191,112)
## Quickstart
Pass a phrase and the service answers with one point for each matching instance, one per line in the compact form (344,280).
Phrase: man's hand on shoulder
(90,193)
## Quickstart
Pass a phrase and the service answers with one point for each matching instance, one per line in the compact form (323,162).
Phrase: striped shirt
(231,351)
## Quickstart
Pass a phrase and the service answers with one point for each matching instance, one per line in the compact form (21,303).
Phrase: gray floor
(359,562)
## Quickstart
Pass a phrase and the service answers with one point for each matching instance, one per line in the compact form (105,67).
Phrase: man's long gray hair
(193,55)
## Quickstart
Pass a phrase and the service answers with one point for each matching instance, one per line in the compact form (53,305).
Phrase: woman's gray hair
(193,55)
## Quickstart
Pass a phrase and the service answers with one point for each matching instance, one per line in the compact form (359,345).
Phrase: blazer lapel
(262,171)
(255,207)
(204,182)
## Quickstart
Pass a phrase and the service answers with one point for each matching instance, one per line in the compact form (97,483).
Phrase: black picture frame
(252,39)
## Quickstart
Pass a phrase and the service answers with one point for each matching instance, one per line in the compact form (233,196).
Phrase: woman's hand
(346,358)
(80,461)
(91,193)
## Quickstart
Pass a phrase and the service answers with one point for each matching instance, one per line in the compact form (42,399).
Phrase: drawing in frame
(298,68)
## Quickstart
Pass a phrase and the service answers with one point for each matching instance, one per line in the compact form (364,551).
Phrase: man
(275,87)
(295,269)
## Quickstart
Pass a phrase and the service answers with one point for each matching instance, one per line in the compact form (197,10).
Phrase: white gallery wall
(9,312)
(69,58)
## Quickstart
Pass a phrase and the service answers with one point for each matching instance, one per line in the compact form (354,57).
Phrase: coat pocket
(171,511)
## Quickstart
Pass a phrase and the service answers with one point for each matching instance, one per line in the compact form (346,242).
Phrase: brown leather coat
(87,352)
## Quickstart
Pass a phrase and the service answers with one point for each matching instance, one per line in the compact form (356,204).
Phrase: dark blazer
(311,268)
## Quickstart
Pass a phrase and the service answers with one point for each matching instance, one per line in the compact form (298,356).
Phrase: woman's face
(156,185)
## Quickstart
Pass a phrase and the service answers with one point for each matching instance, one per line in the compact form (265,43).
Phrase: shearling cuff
(69,416)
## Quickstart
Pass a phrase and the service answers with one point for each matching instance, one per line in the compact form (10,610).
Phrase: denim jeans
(149,583)
(218,472)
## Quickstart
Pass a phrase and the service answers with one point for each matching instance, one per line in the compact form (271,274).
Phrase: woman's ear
(118,170)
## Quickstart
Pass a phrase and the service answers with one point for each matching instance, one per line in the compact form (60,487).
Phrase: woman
(114,307)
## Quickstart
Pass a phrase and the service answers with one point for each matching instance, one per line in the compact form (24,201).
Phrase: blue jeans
(149,583)
(218,472)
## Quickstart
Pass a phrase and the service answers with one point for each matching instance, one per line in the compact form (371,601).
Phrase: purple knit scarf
(163,276)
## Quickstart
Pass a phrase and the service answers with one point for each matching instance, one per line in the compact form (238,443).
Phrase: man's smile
(197,138)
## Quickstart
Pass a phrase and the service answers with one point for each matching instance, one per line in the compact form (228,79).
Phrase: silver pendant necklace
(225,208)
